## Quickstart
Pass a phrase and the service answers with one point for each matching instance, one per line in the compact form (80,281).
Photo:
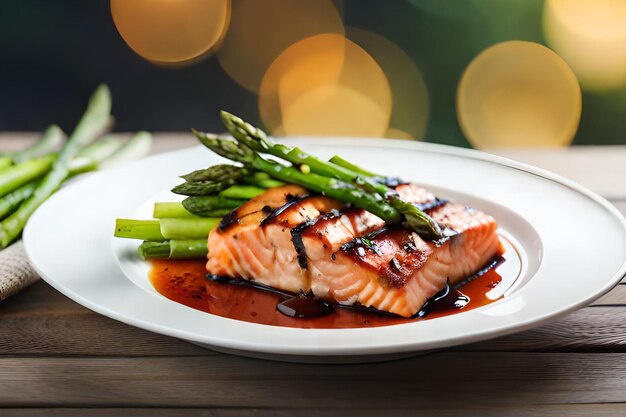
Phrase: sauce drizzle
(185,282)
(290,200)
(304,306)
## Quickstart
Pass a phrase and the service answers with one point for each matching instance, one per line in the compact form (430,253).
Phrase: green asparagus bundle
(344,182)
(34,173)
(102,153)
(176,232)
(94,122)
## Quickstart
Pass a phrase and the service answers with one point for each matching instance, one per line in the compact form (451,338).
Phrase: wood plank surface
(443,410)
(452,378)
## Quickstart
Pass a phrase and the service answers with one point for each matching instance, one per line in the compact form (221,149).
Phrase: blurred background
(478,73)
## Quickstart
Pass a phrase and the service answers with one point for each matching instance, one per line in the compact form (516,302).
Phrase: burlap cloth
(15,271)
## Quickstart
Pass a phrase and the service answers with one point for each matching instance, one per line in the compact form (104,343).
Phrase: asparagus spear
(158,250)
(242,192)
(100,149)
(109,151)
(174,249)
(257,140)
(216,173)
(136,147)
(205,206)
(139,229)
(178,229)
(389,181)
(12,200)
(22,173)
(339,161)
(159,230)
(5,162)
(262,180)
(51,140)
(221,212)
(94,122)
(170,210)
(210,180)
(178,210)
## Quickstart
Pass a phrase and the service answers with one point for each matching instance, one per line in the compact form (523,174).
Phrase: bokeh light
(518,94)
(323,85)
(591,37)
(334,109)
(171,31)
(410,96)
(307,64)
(261,30)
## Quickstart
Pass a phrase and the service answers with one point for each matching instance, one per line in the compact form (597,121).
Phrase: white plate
(572,244)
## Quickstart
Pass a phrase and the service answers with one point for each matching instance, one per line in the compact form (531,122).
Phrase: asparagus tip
(102,91)
(54,129)
(228,117)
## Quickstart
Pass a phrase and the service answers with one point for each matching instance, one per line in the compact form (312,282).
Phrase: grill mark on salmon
(313,245)
(298,245)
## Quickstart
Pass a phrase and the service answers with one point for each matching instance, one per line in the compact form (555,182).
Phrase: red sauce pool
(185,283)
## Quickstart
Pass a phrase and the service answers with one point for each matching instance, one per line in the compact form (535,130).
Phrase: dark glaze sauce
(290,200)
(185,282)
(229,220)
(304,307)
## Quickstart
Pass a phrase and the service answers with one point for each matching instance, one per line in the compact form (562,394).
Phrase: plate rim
(296,350)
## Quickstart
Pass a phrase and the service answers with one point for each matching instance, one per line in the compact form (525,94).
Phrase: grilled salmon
(294,241)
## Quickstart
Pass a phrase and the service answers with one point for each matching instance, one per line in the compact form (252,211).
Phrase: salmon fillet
(291,240)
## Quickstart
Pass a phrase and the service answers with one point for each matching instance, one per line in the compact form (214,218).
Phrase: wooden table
(60,359)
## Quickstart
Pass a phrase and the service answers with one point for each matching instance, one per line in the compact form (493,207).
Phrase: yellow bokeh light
(410,95)
(334,109)
(260,30)
(325,85)
(518,94)
(309,63)
(171,31)
(591,37)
